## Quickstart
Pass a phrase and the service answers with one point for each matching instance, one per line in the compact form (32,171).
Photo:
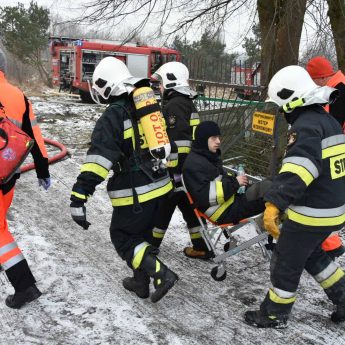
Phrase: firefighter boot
(139,283)
(19,298)
(193,253)
(335,253)
(164,278)
(199,250)
(339,314)
(260,319)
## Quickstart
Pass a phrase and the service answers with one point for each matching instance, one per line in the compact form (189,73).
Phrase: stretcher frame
(212,232)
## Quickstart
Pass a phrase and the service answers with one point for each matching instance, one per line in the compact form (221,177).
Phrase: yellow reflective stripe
(128,133)
(95,168)
(277,299)
(300,171)
(183,149)
(194,122)
(219,192)
(314,221)
(143,197)
(195,235)
(335,277)
(172,163)
(157,234)
(78,195)
(158,266)
(333,151)
(138,257)
(193,134)
(222,208)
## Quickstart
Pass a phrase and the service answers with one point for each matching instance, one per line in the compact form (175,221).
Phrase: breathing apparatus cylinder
(151,120)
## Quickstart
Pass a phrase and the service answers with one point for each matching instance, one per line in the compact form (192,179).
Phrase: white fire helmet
(289,84)
(172,75)
(111,78)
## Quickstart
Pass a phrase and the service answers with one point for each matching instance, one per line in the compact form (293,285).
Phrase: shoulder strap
(136,154)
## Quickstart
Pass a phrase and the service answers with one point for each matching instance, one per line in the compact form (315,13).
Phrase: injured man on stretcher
(212,188)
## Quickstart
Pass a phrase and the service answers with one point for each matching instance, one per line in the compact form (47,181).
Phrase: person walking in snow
(181,118)
(310,188)
(137,186)
(17,108)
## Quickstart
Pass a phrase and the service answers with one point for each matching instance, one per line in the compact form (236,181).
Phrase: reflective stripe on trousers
(10,254)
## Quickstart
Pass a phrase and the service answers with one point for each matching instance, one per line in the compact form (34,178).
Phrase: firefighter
(323,74)
(136,188)
(213,189)
(18,109)
(310,187)
(181,118)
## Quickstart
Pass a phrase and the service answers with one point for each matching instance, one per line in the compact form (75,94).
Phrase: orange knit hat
(319,67)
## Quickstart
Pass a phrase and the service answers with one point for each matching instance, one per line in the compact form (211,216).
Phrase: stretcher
(220,239)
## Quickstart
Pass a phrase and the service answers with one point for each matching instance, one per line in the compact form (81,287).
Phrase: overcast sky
(234,32)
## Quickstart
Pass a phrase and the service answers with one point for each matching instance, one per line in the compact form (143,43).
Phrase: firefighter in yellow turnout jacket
(181,119)
(140,181)
(310,188)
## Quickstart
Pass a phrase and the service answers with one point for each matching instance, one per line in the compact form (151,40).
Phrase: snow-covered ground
(80,274)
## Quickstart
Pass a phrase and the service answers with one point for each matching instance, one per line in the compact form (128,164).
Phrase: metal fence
(232,106)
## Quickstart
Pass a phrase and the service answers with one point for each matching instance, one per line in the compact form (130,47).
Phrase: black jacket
(201,170)
(311,183)
(181,117)
(112,148)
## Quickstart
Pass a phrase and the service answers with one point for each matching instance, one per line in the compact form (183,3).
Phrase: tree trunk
(336,14)
(281,24)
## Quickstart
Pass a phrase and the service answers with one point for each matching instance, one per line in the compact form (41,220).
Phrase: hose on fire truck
(63,152)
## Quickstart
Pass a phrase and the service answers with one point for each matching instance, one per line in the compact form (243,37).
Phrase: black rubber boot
(335,253)
(164,278)
(19,298)
(258,319)
(339,314)
(139,284)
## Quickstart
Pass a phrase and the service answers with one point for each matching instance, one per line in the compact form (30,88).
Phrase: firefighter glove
(78,213)
(44,182)
(271,219)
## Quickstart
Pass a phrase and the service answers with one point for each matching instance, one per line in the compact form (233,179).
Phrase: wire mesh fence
(232,105)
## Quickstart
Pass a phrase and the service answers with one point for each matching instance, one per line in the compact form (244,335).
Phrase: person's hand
(271,219)
(78,213)
(242,180)
(44,182)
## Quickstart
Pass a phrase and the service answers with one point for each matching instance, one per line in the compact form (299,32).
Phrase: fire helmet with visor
(292,87)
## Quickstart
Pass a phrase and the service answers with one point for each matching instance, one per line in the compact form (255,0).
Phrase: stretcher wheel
(226,246)
(217,275)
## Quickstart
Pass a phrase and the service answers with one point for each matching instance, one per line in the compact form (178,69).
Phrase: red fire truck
(74,60)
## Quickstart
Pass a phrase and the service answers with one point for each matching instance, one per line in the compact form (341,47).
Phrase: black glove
(78,213)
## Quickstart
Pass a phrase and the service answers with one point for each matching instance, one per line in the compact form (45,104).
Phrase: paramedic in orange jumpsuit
(321,71)
(17,108)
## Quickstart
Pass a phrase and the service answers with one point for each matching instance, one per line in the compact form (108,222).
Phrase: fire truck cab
(74,60)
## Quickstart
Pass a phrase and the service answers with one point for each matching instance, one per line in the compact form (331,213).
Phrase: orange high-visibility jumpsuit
(18,109)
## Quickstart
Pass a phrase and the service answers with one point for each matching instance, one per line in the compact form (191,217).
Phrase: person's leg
(199,248)
(241,209)
(258,190)
(333,246)
(163,217)
(130,233)
(288,261)
(13,262)
(331,278)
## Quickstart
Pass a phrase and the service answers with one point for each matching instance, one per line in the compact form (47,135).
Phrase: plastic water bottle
(241,171)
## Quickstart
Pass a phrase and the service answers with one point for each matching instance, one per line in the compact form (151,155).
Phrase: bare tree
(281,23)
(336,13)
